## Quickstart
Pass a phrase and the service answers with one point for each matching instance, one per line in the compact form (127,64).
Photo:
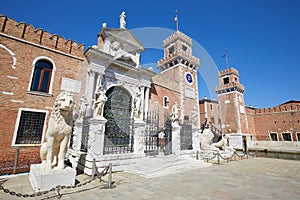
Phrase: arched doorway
(118,129)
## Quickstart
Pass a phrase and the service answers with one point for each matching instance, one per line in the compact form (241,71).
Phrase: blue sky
(262,38)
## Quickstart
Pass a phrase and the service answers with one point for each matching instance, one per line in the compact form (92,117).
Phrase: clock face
(189,78)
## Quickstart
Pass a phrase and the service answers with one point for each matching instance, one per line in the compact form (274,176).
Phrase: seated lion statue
(60,124)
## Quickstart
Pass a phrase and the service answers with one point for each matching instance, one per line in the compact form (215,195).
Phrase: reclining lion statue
(60,124)
(206,139)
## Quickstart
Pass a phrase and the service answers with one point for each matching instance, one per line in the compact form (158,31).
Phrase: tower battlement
(175,36)
(228,72)
(38,36)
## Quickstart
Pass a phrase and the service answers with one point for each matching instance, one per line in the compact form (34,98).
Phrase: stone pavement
(255,178)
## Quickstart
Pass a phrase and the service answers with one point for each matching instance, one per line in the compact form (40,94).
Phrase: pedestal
(77,135)
(176,139)
(96,136)
(139,134)
(43,180)
(196,139)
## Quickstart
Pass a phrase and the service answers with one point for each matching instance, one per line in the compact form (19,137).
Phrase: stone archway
(118,129)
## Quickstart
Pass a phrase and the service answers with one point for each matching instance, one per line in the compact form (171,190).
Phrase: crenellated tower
(231,102)
(178,70)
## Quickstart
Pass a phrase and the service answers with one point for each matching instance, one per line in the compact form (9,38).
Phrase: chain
(229,158)
(57,188)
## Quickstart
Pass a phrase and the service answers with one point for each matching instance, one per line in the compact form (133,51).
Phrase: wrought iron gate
(119,126)
(151,133)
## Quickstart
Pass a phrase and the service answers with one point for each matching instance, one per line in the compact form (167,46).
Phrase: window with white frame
(298,137)
(286,136)
(42,75)
(166,102)
(273,136)
(29,128)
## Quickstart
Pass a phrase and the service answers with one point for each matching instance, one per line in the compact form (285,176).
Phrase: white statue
(123,20)
(60,124)
(206,140)
(174,115)
(83,103)
(100,100)
(137,104)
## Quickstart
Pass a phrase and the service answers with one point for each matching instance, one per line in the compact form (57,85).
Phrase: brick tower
(177,82)
(231,102)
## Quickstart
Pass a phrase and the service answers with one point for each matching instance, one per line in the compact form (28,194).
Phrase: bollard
(109,183)
(234,156)
(16,160)
(197,155)
(218,158)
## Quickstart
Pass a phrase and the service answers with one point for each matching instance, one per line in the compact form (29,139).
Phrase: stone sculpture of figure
(123,20)
(100,100)
(60,124)
(174,115)
(137,104)
(83,103)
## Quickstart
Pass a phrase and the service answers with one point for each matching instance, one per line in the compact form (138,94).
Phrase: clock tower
(178,73)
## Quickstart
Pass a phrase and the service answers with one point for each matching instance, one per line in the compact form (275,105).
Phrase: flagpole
(226,58)
(176,20)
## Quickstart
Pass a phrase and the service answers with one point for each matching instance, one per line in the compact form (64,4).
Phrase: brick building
(35,66)
(279,123)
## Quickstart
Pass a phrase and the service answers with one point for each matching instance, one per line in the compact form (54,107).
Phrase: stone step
(151,167)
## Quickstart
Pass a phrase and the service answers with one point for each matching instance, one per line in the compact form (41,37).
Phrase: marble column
(176,139)
(90,91)
(138,138)
(96,136)
(146,102)
(143,101)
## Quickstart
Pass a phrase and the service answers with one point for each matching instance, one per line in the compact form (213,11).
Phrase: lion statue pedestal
(52,172)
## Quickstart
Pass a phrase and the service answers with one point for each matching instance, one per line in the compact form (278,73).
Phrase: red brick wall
(284,118)
(66,55)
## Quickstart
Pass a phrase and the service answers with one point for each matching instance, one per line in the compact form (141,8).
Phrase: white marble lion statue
(206,143)
(206,140)
(53,151)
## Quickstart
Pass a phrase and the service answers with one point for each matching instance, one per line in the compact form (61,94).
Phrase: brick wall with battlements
(20,45)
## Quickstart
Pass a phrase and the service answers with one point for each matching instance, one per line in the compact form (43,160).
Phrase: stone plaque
(70,85)
(190,92)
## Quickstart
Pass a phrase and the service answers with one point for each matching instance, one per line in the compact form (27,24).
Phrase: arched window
(41,78)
